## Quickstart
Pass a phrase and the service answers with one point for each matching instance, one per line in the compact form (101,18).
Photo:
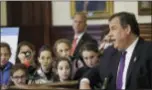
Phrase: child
(25,51)
(64,69)
(62,49)
(90,54)
(19,74)
(44,72)
(5,65)
(25,55)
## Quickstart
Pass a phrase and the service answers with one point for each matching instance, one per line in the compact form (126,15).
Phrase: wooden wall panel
(146,31)
(97,31)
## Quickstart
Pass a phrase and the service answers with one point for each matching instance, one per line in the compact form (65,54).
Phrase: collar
(40,72)
(8,65)
(79,35)
(131,48)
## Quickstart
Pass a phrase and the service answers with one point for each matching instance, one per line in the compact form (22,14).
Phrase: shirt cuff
(85,80)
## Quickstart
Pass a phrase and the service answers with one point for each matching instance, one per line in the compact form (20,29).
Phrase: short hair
(23,43)
(66,41)
(82,14)
(6,45)
(18,67)
(89,47)
(127,18)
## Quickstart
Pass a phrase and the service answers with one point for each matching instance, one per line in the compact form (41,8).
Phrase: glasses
(19,77)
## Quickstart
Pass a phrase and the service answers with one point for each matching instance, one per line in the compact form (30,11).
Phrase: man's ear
(128,29)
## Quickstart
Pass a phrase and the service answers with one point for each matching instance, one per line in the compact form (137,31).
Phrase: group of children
(45,68)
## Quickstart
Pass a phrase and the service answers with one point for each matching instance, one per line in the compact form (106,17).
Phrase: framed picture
(93,9)
(145,7)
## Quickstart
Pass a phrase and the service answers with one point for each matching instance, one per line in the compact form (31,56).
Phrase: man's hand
(84,84)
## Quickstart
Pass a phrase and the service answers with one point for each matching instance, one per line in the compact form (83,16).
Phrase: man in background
(80,34)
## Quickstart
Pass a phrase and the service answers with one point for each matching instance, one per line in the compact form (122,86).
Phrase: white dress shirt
(129,54)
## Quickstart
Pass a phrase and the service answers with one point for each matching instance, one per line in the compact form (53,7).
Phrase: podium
(71,85)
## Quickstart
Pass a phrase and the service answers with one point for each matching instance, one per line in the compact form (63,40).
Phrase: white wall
(3,14)
(61,13)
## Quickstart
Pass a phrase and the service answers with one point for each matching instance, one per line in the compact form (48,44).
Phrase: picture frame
(144,8)
(93,9)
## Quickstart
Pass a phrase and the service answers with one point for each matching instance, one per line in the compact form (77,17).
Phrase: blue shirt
(5,74)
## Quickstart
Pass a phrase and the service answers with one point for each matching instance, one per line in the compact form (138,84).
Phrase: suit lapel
(114,67)
(79,44)
(134,58)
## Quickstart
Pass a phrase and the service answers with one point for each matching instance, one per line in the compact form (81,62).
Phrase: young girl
(25,55)
(44,73)
(25,52)
(5,65)
(90,54)
(64,69)
(62,49)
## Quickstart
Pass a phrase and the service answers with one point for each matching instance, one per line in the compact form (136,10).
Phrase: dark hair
(66,41)
(23,43)
(44,48)
(4,44)
(17,67)
(56,77)
(89,47)
(127,18)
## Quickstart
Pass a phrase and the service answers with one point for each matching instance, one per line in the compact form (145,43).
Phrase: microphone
(106,81)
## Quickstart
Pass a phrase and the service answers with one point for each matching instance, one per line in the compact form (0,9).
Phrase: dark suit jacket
(84,39)
(139,74)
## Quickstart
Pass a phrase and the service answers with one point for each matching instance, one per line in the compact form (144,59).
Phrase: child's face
(22,56)
(19,77)
(63,70)
(63,50)
(5,55)
(90,58)
(45,59)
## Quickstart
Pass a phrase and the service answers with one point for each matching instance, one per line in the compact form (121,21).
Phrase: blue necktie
(119,81)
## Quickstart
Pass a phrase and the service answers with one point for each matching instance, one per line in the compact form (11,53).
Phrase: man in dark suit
(80,34)
(126,66)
